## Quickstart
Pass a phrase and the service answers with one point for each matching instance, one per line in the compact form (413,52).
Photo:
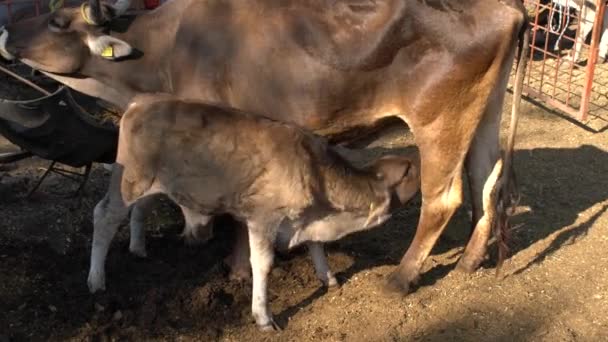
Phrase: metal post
(592,59)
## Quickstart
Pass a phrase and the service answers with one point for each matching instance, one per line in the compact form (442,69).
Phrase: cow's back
(282,59)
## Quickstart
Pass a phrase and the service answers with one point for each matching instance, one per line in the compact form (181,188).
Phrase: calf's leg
(108,215)
(261,243)
(196,228)
(238,259)
(137,239)
(319,259)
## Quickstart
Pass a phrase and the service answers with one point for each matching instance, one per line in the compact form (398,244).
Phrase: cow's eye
(57,23)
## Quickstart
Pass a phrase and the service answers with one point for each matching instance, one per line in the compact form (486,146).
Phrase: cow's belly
(328,102)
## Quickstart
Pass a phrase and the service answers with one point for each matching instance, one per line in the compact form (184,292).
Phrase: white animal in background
(587,16)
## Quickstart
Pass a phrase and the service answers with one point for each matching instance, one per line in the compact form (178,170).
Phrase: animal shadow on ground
(556,185)
(181,289)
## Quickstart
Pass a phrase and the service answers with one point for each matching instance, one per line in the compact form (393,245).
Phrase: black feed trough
(57,128)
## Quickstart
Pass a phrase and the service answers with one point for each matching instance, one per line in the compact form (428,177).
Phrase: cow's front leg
(441,188)
(319,259)
(262,254)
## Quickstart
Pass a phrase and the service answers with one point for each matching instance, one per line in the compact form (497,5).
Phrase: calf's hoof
(328,281)
(96,282)
(138,251)
(332,282)
(240,268)
(271,326)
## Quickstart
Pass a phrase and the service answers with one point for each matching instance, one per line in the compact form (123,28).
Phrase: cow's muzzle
(3,40)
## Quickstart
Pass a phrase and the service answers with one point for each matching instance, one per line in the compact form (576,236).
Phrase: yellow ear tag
(108,52)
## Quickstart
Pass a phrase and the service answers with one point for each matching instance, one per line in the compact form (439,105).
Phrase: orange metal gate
(567,41)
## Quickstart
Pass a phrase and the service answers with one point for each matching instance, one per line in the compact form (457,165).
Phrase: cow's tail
(509,194)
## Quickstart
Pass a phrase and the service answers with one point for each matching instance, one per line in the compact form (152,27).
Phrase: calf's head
(399,175)
(61,42)
(393,181)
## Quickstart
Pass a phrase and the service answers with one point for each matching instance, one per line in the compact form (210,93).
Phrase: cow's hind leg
(484,168)
(441,190)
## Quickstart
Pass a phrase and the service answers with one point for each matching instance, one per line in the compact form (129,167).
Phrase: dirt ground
(555,289)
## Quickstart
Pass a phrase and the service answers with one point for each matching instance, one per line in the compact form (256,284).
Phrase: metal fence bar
(592,59)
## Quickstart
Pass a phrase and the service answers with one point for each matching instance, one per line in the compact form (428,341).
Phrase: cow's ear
(109,47)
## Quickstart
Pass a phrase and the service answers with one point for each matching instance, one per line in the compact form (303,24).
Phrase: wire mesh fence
(567,69)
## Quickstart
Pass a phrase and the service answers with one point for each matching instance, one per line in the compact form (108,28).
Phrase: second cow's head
(62,41)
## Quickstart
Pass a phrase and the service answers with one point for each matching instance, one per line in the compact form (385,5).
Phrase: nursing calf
(286,184)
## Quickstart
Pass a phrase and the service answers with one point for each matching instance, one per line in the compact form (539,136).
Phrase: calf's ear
(109,47)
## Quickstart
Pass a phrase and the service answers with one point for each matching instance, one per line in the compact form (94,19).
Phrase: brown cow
(329,66)
(288,185)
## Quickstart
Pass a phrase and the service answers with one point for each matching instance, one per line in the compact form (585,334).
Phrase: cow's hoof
(96,282)
(397,283)
(468,266)
(271,326)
